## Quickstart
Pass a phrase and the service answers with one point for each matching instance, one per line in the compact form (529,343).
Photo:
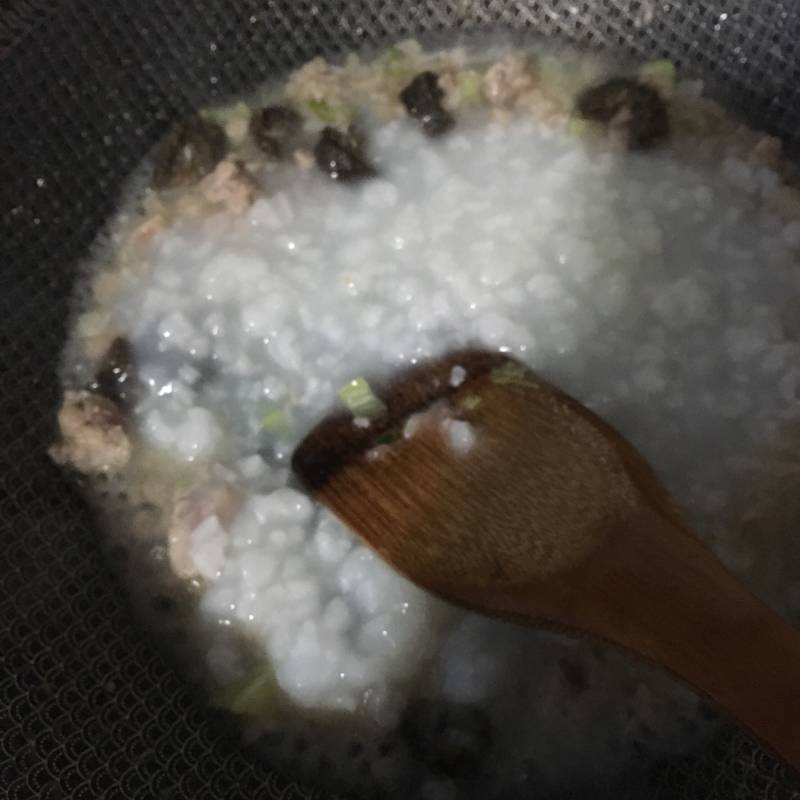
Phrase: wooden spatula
(488,486)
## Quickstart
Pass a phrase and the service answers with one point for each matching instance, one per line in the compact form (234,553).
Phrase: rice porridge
(609,226)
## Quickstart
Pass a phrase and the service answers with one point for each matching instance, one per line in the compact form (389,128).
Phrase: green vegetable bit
(659,74)
(513,373)
(389,437)
(330,113)
(256,693)
(560,78)
(393,57)
(583,128)
(223,114)
(470,83)
(470,402)
(360,400)
(397,64)
(276,421)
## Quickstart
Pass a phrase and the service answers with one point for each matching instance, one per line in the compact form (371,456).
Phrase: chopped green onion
(360,400)
(470,82)
(256,693)
(558,78)
(410,48)
(660,74)
(512,373)
(223,114)
(397,65)
(276,421)
(240,109)
(322,110)
(388,437)
(470,402)
(583,128)
(394,55)
(329,113)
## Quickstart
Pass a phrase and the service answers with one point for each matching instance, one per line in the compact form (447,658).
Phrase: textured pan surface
(88,707)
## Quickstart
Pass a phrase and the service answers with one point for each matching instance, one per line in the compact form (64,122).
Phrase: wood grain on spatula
(551,517)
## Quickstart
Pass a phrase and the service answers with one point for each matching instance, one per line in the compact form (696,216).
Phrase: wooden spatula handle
(657,591)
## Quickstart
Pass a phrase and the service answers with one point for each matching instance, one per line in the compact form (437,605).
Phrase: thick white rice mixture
(654,291)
